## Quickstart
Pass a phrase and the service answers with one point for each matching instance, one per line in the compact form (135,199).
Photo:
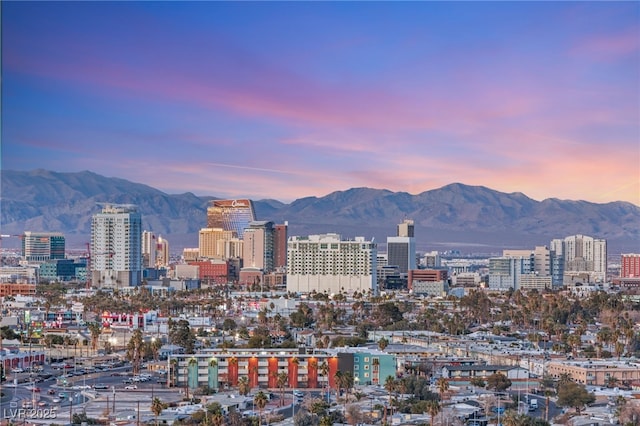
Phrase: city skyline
(287,100)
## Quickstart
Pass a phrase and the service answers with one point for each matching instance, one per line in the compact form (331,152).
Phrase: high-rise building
(212,241)
(539,259)
(432,260)
(116,246)
(328,263)
(630,265)
(40,247)
(505,271)
(280,246)
(231,215)
(149,249)
(257,251)
(582,253)
(162,256)
(401,249)
(405,229)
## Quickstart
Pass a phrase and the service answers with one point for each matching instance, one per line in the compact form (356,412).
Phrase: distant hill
(456,216)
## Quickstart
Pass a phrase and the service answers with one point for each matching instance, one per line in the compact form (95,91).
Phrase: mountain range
(472,219)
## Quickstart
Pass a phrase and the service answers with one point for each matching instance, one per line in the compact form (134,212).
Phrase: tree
(498,382)
(156,344)
(134,350)
(8,334)
(181,334)
(574,395)
(433,408)
(95,329)
(156,408)
(390,387)
(244,387)
(283,379)
(383,343)
(478,382)
(260,401)
(353,414)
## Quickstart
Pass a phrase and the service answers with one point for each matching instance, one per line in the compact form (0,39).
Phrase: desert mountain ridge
(456,216)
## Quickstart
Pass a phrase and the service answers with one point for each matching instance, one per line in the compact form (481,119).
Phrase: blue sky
(291,99)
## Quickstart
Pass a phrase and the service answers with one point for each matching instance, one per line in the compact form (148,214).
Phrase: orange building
(17,289)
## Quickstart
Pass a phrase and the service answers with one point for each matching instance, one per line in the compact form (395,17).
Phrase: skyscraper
(582,253)
(405,229)
(328,263)
(257,249)
(149,249)
(231,215)
(280,246)
(116,246)
(401,250)
(212,242)
(42,246)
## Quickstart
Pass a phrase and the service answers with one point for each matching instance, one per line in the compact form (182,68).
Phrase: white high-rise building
(149,249)
(257,250)
(582,253)
(116,246)
(328,263)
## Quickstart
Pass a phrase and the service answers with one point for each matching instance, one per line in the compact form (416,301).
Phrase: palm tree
(443,386)
(339,380)
(390,386)
(95,329)
(324,371)
(260,401)
(156,408)
(243,386)
(283,379)
(433,408)
(134,350)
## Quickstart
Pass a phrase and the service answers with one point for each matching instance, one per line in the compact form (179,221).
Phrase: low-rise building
(596,372)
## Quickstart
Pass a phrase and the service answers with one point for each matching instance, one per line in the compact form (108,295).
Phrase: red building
(630,266)
(212,271)
(426,275)
(280,246)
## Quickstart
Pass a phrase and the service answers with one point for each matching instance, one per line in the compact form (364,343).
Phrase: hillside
(469,218)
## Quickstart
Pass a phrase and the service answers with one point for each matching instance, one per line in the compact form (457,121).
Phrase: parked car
(18,370)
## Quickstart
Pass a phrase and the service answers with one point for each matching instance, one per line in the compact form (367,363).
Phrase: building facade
(149,249)
(231,215)
(212,241)
(258,246)
(328,263)
(630,265)
(505,272)
(116,246)
(582,253)
(401,249)
(223,368)
(280,235)
(38,247)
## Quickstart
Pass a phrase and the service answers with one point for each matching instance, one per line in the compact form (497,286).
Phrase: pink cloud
(609,46)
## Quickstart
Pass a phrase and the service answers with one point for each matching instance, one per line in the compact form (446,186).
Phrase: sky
(286,100)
